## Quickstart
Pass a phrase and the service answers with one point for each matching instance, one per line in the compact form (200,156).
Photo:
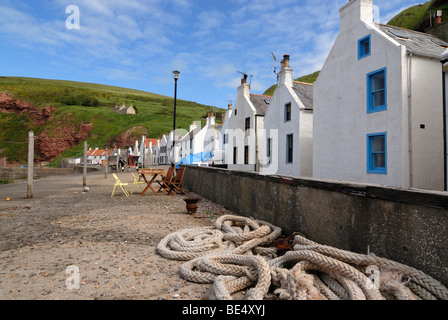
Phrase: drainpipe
(445,148)
(257,163)
(411,169)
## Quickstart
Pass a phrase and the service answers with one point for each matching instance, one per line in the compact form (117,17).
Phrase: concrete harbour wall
(407,226)
(22,173)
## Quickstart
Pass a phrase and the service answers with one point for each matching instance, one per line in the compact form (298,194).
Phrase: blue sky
(137,44)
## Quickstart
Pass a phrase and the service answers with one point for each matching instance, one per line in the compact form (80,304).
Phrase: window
(269,147)
(269,150)
(377,91)
(226,139)
(235,155)
(377,153)
(236,112)
(247,125)
(364,47)
(246,154)
(288,112)
(289,148)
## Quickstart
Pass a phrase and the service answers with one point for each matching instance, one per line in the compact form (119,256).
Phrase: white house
(245,130)
(173,150)
(377,105)
(98,156)
(220,154)
(288,125)
(163,155)
(199,141)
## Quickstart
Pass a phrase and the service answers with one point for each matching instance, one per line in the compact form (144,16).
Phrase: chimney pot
(285,61)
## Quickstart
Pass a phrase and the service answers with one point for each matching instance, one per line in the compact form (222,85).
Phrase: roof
(98,152)
(417,43)
(154,142)
(445,55)
(261,103)
(305,93)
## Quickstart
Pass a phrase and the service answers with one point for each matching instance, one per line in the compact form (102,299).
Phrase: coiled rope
(234,255)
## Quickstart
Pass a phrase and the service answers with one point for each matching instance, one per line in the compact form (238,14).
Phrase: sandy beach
(108,243)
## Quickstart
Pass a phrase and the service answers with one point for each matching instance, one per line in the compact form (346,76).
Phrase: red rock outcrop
(38,115)
(49,148)
(63,137)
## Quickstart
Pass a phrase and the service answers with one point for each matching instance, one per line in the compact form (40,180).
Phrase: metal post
(107,164)
(30,164)
(174,122)
(84,169)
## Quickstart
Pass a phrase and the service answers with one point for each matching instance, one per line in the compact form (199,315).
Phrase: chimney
(229,107)
(285,74)
(355,11)
(244,89)
(285,61)
(212,121)
(193,126)
(438,17)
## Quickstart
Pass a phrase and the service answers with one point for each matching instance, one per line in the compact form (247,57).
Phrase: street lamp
(176,77)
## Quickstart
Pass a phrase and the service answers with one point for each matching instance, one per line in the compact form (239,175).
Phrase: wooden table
(144,173)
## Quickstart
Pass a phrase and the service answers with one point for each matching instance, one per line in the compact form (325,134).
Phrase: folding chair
(165,182)
(137,182)
(177,182)
(120,184)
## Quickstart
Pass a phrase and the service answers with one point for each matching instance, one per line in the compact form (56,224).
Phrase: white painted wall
(427,111)
(277,129)
(341,121)
(223,147)
(238,138)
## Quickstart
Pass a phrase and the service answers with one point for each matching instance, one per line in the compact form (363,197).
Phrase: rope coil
(235,255)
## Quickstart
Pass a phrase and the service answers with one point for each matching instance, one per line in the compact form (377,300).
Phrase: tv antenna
(245,76)
(275,63)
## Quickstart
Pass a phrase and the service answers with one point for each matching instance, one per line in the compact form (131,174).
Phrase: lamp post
(176,77)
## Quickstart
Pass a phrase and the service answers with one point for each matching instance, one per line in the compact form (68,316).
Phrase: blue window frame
(377,153)
(364,47)
(377,91)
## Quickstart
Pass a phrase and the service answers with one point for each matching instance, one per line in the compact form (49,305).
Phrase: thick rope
(235,255)
(422,283)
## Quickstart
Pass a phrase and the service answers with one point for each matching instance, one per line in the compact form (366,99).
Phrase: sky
(138,43)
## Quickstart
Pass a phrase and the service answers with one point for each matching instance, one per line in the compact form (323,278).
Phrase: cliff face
(47,147)
(10,105)
(65,137)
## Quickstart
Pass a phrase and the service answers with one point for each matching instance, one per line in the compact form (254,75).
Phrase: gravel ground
(111,242)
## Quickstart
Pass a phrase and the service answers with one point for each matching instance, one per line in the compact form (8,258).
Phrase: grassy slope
(90,103)
(417,17)
(410,18)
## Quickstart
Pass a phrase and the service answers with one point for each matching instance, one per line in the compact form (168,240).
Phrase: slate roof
(417,43)
(305,93)
(261,103)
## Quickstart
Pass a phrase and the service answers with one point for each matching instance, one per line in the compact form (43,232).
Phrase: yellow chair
(137,181)
(120,184)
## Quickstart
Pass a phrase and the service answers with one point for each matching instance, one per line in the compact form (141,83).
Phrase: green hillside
(90,104)
(418,17)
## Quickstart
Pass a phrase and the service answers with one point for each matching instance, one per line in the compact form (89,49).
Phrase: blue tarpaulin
(196,158)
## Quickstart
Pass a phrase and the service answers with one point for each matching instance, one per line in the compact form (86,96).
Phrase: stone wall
(22,173)
(408,226)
